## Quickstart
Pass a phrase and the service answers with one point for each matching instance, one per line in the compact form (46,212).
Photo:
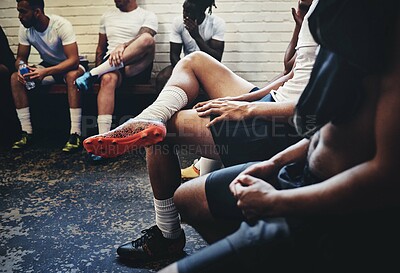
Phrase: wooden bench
(134,89)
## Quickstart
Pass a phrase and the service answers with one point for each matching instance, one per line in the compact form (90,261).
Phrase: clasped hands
(254,195)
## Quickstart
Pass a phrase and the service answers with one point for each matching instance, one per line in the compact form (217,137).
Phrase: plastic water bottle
(23,69)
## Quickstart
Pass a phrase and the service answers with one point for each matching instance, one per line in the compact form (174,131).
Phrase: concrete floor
(61,213)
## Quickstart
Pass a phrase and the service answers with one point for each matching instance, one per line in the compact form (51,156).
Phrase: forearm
(294,153)
(291,50)
(100,53)
(273,85)
(273,111)
(142,31)
(63,67)
(207,49)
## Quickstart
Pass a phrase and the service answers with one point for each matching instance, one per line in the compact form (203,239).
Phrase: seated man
(125,52)
(7,109)
(53,37)
(197,30)
(225,136)
(328,203)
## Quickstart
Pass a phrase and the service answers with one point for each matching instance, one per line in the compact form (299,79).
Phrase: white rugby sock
(208,165)
(24,117)
(167,218)
(105,68)
(170,100)
(104,123)
(76,115)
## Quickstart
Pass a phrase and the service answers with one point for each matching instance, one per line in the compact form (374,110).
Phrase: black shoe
(152,245)
(23,142)
(73,144)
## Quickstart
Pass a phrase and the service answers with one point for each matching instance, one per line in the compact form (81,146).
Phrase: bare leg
(183,87)
(185,130)
(74,96)
(106,97)
(22,108)
(139,54)
(18,92)
(216,79)
(136,57)
(191,201)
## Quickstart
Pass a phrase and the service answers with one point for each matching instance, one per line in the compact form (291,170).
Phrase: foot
(131,135)
(23,142)
(152,245)
(85,82)
(190,172)
(73,144)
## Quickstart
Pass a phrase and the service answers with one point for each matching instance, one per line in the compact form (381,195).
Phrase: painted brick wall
(257,35)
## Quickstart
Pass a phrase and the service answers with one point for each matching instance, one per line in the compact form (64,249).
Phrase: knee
(71,76)
(195,57)
(193,60)
(109,81)
(14,78)
(147,41)
(14,81)
(179,199)
(188,202)
(181,203)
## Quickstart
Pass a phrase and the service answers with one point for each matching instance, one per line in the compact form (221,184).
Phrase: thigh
(221,203)
(216,79)
(188,131)
(138,74)
(51,79)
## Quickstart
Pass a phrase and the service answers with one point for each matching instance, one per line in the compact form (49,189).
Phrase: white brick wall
(257,31)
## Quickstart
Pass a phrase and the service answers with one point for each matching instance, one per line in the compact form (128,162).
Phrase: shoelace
(147,234)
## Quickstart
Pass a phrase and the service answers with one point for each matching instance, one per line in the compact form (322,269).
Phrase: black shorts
(221,202)
(252,139)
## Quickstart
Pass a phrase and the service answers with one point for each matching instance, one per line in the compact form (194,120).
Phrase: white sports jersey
(121,27)
(213,27)
(50,42)
(306,51)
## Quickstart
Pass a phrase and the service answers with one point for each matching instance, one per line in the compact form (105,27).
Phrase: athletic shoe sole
(109,147)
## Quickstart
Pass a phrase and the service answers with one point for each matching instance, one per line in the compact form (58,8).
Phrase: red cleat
(129,136)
